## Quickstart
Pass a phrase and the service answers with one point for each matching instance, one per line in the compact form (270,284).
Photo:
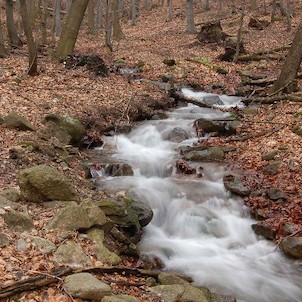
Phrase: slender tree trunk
(91,17)
(71,29)
(288,16)
(207,5)
(274,7)
(190,17)
(170,10)
(133,12)
(3,51)
(31,44)
(43,21)
(68,5)
(108,27)
(239,35)
(116,26)
(291,64)
(99,16)
(57,24)
(11,27)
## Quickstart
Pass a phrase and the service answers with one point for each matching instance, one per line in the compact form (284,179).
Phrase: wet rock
(18,221)
(275,194)
(43,183)
(222,298)
(292,245)
(234,184)
(86,286)
(264,231)
(209,154)
(177,135)
(212,100)
(116,169)
(10,194)
(224,128)
(71,254)
(290,228)
(78,217)
(63,127)
(120,298)
(196,294)
(3,240)
(15,121)
(169,293)
(102,253)
(269,156)
(45,246)
(169,279)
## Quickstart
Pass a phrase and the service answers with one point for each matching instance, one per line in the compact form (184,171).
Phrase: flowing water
(198,227)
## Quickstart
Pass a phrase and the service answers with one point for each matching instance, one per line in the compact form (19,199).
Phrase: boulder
(292,245)
(298,130)
(78,217)
(170,278)
(209,154)
(18,221)
(5,203)
(86,286)
(10,194)
(177,135)
(45,246)
(275,194)
(169,62)
(233,183)
(15,121)
(43,183)
(101,252)
(71,254)
(264,230)
(224,128)
(222,298)
(269,156)
(116,169)
(169,293)
(3,240)
(213,100)
(64,126)
(272,168)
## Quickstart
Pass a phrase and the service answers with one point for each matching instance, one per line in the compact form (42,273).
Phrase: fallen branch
(276,98)
(253,135)
(54,276)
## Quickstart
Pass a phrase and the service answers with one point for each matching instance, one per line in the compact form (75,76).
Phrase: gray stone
(101,252)
(15,121)
(298,130)
(11,194)
(272,169)
(71,254)
(195,294)
(117,169)
(169,293)
(169,279)
(5,203)
(120,298)
(219,127)
(21,245)
(275,194)
(264,230)
(18,221)
(222,298)
(292,245)
(209,154)
(213,100)
(86,286)
(78,217)
(177,135)
(43,245)
(269,156)
(43,183)
(65,124)
(3,240)
(234,184)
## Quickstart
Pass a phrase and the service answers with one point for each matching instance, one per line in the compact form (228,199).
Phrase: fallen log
(276,98)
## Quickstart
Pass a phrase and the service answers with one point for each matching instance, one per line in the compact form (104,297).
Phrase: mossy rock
(15,121)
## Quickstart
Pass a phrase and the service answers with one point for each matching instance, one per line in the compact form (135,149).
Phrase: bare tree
(3,51)
(108,26)
(31,44)
(91,16)
(133,12)
(11,27)
(190,17)
(170,10)
(71,29)
(99,23)
(43,21)
(57,24)
(116,26)
(291,64)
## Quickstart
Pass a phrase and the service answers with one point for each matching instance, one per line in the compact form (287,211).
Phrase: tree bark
(43,22)
(108,27)
(239,35)
(57,24)
(71,29)
(99,16)
(170,10)
(133,12)
(31,44)
(91,17)
(116,26)
(3,51)
(11,27)
(190,17)
(291,64)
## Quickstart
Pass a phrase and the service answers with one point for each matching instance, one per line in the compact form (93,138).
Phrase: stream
(199,228)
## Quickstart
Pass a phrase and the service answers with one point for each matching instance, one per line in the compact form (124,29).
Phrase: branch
(276,98)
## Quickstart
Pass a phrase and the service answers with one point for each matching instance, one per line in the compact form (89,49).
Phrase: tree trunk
(31,44)
(170,10)
(3,52)
(207,5)
(11,27)
(190,17)
(43,22)
(116,26)
(68,5)
(91,17)
(99,16)
(133,12)
(108,27)
(239,35)
(288,15)
(291,64)
(71,29)
(57,24)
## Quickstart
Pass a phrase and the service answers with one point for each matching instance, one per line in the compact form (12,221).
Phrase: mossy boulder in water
(209,154)
(44,183)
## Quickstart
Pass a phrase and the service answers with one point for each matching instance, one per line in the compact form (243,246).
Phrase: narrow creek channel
(198,227)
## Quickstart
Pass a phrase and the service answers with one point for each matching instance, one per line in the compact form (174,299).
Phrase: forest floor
(103,103)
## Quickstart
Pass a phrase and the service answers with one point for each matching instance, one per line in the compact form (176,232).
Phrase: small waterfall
(199,228)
